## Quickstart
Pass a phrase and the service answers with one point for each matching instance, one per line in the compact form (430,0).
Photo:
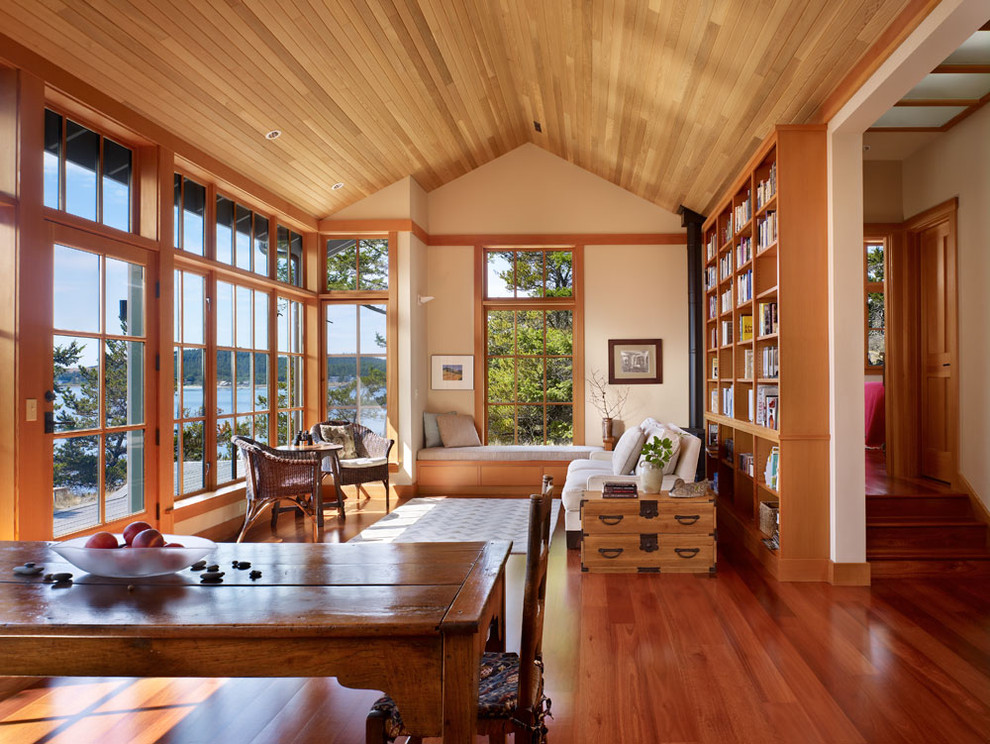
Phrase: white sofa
(621,466)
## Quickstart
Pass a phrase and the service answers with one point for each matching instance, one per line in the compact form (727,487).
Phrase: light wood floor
(631,659)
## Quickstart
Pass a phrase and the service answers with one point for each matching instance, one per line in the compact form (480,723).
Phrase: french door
(102,384)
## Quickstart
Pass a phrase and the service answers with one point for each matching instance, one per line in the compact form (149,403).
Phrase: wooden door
(939,402)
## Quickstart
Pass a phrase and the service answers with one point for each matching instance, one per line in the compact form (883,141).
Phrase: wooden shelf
(797,259)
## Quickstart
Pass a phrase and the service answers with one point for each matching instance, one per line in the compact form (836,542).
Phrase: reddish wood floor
(878,482)
(630,658)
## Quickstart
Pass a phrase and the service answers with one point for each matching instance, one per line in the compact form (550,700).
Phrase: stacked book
(619,491)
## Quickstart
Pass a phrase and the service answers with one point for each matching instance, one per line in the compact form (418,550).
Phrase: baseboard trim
(849,574)
(979,508)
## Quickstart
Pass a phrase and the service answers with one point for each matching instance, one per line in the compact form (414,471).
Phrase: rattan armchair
(274,475)
(371,463)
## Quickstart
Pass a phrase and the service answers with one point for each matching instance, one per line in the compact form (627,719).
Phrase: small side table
(330,450)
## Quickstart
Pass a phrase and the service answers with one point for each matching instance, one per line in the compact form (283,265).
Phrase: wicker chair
(272,476)
(370,465)
(510,697)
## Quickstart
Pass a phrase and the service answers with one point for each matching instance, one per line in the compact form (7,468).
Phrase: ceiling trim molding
(906,22)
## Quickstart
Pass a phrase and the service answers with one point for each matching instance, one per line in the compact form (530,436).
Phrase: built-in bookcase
(766,360)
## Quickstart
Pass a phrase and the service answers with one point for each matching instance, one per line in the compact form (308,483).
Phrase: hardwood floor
(630,658)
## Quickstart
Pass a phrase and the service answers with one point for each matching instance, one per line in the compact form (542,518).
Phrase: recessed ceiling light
(274,134)
(338,185)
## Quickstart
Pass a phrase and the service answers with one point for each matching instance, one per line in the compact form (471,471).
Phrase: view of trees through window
(357,361)
(875,308)
(529,346)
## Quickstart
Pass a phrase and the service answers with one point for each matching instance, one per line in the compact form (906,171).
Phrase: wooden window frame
(868,288)
(484,304)
(387,297)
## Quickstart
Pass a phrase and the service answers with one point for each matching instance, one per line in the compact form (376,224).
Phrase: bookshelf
(765,273)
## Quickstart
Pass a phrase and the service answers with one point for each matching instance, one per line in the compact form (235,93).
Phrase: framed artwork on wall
(452,372)
(636,361)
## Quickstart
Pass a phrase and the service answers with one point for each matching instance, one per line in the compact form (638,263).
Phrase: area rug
(443,519)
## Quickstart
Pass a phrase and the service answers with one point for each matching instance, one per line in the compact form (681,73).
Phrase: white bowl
(130,563)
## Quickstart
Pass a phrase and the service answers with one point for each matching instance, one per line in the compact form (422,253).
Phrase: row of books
(766,312)
(712,435)
(743,211)
(767,401)
(744,287)
(710,278)
(766,188)
(727,232)
(727,300)
(766,231)
(728,401)
(712,308)
(771,362)
(746,462)
(771,471)
(726,332)
(744,251)
(714,367)
(725,266)
(711,247)
(747,364)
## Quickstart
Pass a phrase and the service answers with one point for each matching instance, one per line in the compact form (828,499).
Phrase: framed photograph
(635,361)
(452,372)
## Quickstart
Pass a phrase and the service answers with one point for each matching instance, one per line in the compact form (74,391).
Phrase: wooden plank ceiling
(665,98)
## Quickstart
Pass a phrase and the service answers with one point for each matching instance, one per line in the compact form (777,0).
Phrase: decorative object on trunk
(656,454)
(608,400)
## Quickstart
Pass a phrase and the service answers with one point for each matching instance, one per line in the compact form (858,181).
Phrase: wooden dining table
(411,619)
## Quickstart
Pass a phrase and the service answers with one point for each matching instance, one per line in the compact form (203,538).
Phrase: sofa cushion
(627,451)
(664,431)
(457,430)
(431,432)
(342,435)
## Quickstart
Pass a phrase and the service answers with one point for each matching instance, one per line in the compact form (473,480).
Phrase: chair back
(252,454)
(534,603)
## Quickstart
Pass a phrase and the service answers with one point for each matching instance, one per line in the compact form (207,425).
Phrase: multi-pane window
(189,215)
(99,351)
(242,237)
(189,386)
(529,346)
(289,318)
(86,174)
(357,264)
(357,355)
(243,403)
(289,261)
(875,307)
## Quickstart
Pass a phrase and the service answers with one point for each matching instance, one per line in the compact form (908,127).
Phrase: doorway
(920,349)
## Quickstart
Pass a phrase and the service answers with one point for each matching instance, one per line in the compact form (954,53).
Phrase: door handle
(49,422)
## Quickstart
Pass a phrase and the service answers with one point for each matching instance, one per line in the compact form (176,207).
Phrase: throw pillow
(663,432)
(627,451)
(457,430)
(342,435)
(431,433)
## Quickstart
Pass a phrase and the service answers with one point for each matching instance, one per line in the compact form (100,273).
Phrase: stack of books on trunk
(619,491)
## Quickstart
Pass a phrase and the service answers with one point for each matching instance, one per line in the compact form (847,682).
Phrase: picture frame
(635,361)
(452,372)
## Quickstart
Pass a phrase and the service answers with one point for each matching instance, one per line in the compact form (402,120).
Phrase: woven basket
(769,517)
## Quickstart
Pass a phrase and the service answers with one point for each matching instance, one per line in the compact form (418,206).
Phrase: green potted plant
(656,454)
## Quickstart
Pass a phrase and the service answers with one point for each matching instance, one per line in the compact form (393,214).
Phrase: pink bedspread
(875,425)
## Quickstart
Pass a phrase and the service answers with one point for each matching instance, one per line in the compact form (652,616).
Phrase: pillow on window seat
(457,430)
(431,432)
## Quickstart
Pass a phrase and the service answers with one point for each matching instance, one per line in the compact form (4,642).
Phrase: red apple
(102,540)
(132,529)
(174,545)
(150,538)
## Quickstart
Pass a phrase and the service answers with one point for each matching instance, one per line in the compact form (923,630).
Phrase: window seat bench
(494,470)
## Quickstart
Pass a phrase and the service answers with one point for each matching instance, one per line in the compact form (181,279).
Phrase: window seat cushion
(504,453)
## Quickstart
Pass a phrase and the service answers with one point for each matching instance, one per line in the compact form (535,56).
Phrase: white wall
(958,164)
(631,291)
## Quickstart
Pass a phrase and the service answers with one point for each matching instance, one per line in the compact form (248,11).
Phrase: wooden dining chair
(273,476)
(510,696)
